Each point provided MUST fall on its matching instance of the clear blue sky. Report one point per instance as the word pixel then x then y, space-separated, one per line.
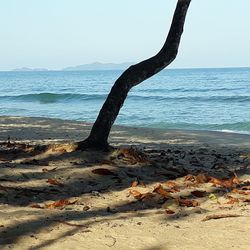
pixel 59 33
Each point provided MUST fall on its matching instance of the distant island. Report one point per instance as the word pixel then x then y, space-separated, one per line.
pixel 29 69
pixel 99 66
pixel 91 66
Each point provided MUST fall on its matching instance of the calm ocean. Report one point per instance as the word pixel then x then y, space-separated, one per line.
pixel 204 99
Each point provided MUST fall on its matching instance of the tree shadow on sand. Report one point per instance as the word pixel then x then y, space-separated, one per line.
pixel 98 187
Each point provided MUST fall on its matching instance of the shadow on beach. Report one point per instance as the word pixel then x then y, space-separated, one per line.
pixel 157 175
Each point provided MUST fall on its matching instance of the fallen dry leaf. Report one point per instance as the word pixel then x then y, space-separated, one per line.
pixel 173 186
pixel 55 182
pixel 103 171
pixel 220 216
pixel 135 193
pixel 201 178
pixel 133 155
pixel 216 181
pixel 139 196
pixel 199 193
pixel 246 200
pixel 174 190
pixel 189 177
pixel 232 200
pixel 161 191
pixel 134 184
pixel 169 211
pixel 187 203
pixel 170 184
pixel 236 179
pixel 238 191
pixel 61 203
pixel 227 183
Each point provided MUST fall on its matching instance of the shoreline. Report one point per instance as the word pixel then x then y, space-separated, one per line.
pixel 43 129
pixel 136 126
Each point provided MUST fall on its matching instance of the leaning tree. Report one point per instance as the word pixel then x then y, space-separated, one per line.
pixel 135 74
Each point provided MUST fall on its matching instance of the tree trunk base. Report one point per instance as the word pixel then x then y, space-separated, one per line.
pixel 91 144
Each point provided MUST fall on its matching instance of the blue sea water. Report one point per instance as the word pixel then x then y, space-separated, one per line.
pixel 204 99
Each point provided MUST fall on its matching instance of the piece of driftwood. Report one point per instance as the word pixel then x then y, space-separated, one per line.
pixel 220 216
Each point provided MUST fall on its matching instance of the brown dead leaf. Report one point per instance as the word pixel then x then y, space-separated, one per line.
pixel 135 193
pixel 216 181
pixel 246 188
pixel 134 183
pixel 170 184
pixel 199 193
pixel 187 203
pixel 238 191
pixel 174 190
pixel 173 186
pixel 232 200
pixel 189 177
pixel 131 155
pixel 139 196
pixel 161 191
pixel 236 179
pixel 169 211
pixel 61 203
pixel 103 171
pixel 55 182
pixel 227 183
pixel 246 200
pixel 201 178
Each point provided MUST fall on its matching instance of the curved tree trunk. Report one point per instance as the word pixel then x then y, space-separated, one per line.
pixel 134 75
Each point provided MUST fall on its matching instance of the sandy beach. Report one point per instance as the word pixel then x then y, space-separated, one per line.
pixel 158 189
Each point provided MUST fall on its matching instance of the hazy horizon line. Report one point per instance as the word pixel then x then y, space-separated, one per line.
pixel 28 69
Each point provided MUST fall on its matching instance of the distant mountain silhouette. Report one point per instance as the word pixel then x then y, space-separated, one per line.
pixel 29 69
pixel 99 66
pixel 91 66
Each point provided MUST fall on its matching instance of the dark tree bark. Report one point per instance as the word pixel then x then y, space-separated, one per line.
pixel 134 75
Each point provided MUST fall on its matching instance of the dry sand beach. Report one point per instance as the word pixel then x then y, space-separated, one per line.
pixel 158 189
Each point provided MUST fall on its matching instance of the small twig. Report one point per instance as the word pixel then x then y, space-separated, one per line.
pixel 70 224
pixel 113 238
pixel 220 216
